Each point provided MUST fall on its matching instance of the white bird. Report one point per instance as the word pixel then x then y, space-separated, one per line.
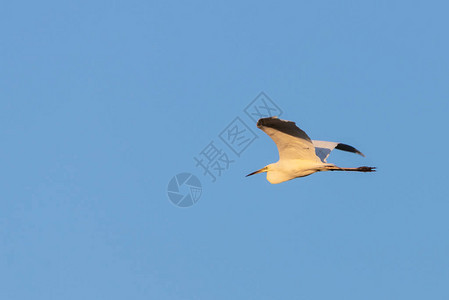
pixel 299 156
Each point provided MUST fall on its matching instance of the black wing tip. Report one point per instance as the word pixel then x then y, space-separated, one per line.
pixel 284 126
pixel 271 121
pixel 348 148
pixel 359 153
pixel 265 121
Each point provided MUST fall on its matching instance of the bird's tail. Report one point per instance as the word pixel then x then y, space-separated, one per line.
pixel 359 169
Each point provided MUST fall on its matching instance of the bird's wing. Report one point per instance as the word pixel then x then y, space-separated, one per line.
pixel 292 142
pixel 323 149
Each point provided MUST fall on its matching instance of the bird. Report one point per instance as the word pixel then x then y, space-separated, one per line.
pixel 299 156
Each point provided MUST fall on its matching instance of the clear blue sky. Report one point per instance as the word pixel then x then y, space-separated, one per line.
pixel 102 103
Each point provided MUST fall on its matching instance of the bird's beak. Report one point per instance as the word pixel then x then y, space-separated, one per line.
pixel 264 169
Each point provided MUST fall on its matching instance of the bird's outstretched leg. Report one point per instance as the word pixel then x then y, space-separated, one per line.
pixel 359 169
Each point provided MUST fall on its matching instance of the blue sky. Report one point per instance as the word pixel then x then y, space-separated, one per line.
pixel 102 103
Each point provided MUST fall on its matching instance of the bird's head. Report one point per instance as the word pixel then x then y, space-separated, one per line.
pixel 274 175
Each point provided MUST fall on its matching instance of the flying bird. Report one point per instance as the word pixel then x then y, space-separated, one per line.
pixel 299 156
